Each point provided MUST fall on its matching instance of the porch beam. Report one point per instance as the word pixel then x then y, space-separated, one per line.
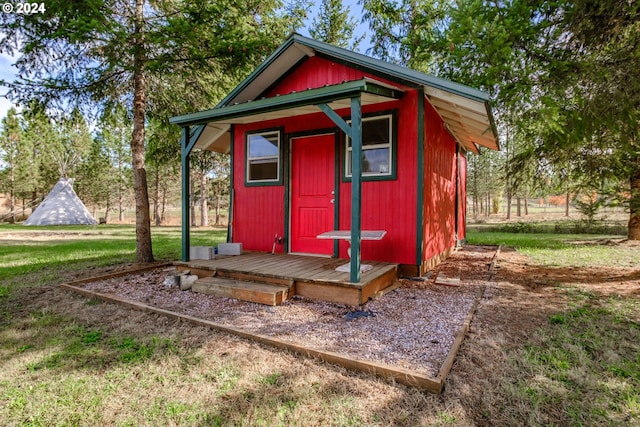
pixel 186 145
pixel 194 133
pixel 356 186
pixel 335 118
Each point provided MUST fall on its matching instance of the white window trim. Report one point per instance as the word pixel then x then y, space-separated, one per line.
pixel 389 145
pixel 261 159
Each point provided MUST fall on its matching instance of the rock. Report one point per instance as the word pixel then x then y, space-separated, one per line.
pixel 171 280
pixel 187 281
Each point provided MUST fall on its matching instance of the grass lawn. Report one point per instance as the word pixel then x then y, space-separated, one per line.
pixel 70 361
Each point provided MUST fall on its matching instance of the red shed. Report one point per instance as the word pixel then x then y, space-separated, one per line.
pixel 323 139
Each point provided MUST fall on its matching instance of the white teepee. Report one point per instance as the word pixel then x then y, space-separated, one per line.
pixel 62 206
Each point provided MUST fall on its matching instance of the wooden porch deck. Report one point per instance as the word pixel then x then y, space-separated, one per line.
pixel 308 276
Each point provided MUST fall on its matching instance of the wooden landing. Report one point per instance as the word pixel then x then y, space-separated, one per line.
pixel 308 276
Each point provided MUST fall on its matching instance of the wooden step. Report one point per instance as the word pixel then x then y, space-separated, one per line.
pixel 261 293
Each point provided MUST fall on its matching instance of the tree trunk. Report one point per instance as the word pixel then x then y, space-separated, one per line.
pixel 192 203
pixel 518 206
pixel 144 249
pixel 509 204
pixel 487 211
pixel 106 212
pixel 164 205
pixel 526 205
pixel 634 211
pixel 217 209
pixel 566 205
pixel 204 209
pixel 156 201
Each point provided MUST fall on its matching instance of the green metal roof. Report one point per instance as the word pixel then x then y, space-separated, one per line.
pixel 365 62
pixel 465 110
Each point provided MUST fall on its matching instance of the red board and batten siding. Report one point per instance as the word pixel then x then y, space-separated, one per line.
pixel 258 212
pixel 439 186
pixel 390 205
pixel 317 72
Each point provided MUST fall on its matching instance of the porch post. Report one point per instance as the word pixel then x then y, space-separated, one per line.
pixel 186 241
pixel 356 187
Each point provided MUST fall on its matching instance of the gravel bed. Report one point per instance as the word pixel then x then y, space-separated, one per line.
pixel 412 327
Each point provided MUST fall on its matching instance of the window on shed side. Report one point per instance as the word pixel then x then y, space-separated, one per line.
pixel 263 157
pixel 377 147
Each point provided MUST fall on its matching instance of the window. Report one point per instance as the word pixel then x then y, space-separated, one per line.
pixel 263 157
pixel 377 147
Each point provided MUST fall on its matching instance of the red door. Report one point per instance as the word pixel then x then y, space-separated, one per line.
pixel 312 193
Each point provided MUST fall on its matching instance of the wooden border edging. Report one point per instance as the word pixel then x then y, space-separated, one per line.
pixel 404 376
pixel 118 274
pixel 447 365
pixel 453 352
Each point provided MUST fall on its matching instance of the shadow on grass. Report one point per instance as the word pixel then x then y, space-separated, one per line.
pixel 229 380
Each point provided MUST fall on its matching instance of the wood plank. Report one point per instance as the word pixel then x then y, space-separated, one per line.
pixel 378 284
pixel 447 365
pixel 200 272
pixel 261 293
pixel 253 277
pixel 328 292
pixel 443 279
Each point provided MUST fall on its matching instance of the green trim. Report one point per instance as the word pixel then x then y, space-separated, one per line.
pixel 231 184
pixel 379 66
pixel 195 133
pixel 262 67
pixel 264 183
pixel 363 62
pixel 335 118
pixel 309 97
pixel 420 192
pixel 356 187
pixel 394 149
pixel 186 241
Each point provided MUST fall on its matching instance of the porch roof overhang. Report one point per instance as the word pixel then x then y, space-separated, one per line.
pixel 215 136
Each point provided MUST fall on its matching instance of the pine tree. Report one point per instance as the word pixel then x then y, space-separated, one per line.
pixel 334 25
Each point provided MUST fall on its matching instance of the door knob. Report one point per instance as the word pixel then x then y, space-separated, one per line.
pixel 333 200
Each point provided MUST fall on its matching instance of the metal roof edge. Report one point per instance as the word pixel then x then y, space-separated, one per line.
pixel 393 69
pixel 247 81
pixel 373 64
pixel 308 97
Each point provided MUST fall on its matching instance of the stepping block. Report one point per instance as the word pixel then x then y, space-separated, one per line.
pixel 443 279
pixel 261 293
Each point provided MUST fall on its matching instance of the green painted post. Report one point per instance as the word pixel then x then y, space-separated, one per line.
pixel 356 187
pixel 186 243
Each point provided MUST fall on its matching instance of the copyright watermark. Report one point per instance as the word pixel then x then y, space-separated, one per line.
pixel 24 8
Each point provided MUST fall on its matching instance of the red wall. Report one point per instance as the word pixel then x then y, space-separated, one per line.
pixel 316 72
pixel 258 212
pixel 439 186
pixel 390 205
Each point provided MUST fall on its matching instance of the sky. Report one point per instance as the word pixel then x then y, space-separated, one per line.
pixel 8 72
